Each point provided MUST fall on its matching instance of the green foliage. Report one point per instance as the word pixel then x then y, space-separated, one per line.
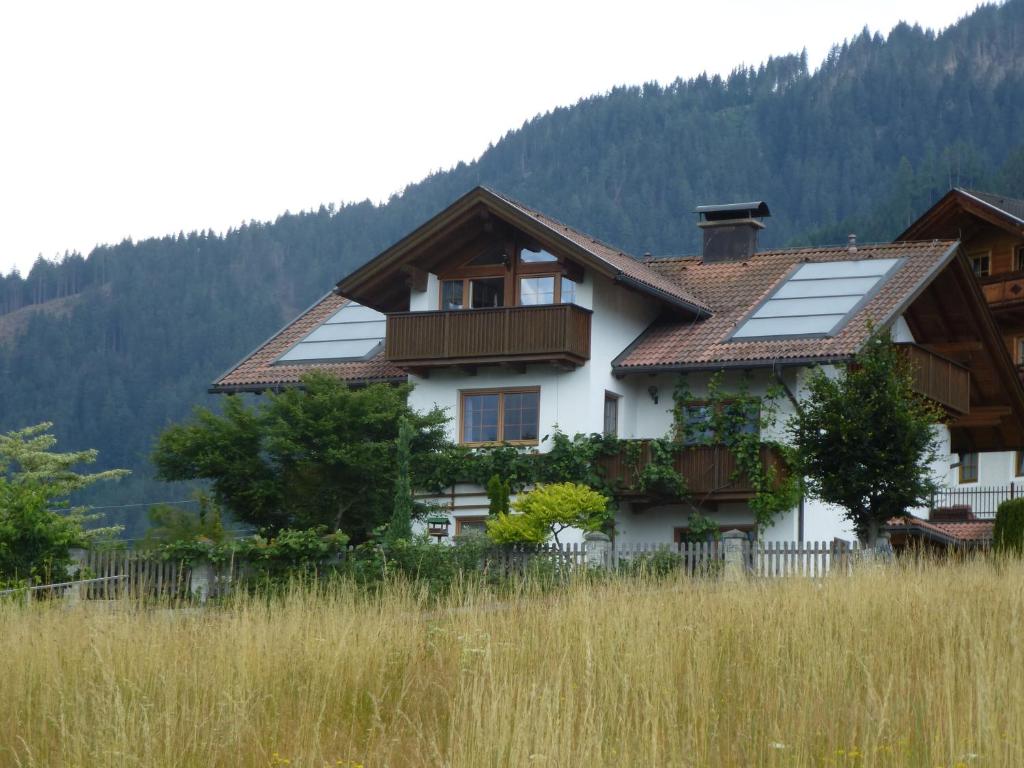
pixel 865 439
pixel 659 563
pixel 35 483
pixel 547 510
pixel 322 454
pixel 168 524
pixel 1008 534
pixel 400 527
pixel 498 492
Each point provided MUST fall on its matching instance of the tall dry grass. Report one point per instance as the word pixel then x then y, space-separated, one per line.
pixel 918 666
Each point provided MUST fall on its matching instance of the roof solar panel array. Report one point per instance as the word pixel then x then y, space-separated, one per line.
pixel 816 299
pixel 354 332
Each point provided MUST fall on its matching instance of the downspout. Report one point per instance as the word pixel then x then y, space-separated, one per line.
pixel 777 373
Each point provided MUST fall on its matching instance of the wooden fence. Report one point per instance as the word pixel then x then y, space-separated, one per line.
pixel 143 576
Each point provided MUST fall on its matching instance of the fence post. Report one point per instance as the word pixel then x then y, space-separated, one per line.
pixel 73 594
pixel 597 548
pixel 202 579
pixel 732 544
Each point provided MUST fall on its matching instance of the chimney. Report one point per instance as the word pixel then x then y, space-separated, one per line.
pixel 730 231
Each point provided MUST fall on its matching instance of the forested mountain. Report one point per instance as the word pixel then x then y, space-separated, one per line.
pixel 114 346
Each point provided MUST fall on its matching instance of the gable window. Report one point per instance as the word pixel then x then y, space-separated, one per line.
pixel 1019 464
pixel 981 264
pixel 500 416
pixel 1018 258
pixel 611 414
pixel 526 256
pixel 968 467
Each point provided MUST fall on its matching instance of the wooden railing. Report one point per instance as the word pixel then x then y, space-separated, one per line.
pixel 939 378
pixel 554 332
pixel 1004 288
pixel 708 470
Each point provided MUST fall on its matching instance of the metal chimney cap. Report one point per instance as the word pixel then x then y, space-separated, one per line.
pixel 757 209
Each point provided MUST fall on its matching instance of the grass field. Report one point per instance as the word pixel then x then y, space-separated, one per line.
pixel 916 666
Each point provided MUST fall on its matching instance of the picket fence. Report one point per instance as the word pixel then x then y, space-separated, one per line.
pixel 118 573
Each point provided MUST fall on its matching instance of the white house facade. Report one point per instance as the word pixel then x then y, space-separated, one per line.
pixel 518 325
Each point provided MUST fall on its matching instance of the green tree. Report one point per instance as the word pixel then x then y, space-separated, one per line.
pixel 548 510
pixel 400 527
pixel 170 524
pixel 498 492
pixel 37 524
pixel 320 454
pixel 865 439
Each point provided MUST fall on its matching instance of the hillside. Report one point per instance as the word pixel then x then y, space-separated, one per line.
pixel 883 127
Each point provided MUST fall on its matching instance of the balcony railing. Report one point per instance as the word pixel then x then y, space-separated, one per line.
pixel 557 333
pixel 1003 289
pixel 939 378
pixel 955 504
pixel 707 469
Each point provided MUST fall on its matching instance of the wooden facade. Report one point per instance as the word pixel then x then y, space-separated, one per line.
pixel 552 333
pixel 707 469
pixel 939 379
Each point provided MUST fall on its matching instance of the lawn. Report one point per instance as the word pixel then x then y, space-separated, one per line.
pixel 906 666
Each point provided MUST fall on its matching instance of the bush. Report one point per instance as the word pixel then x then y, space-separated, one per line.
pixel 1008 535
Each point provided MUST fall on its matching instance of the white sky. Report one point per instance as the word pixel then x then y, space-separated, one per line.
pixel 141 118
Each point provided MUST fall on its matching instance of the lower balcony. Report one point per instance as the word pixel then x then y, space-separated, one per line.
pixel 553 333
pixel 939 378
pixel 707 469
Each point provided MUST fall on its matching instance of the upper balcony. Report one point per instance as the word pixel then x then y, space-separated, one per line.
pixel 939 379
pixel 551 333
pixel 1003 289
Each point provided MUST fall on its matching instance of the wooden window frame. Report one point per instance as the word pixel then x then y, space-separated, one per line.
pixel 987 255
pixel 963 480
pixel 459 521
pixel 618 414
pixel 512 270
pixel 501 392
pixel 1017 467
pixel 698 403
pixel 1018 258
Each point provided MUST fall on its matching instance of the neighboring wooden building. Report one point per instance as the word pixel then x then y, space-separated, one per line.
pixel 990 228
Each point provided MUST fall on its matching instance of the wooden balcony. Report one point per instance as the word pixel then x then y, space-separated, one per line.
pixel 939 378
pixel 707 469
pixel 1002 289
pixel 553 333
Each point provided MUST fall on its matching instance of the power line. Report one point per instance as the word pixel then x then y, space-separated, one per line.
pixel 140 504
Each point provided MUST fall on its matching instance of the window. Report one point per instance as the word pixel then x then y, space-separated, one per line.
pixel 697 418
pixel 500 416
pixel 611 414
pixel 1018 258
pixel 487 292
pixel 526 256
pixel 537 290
pixel 1019 464
pixel 968 467
pixel 470 526
pixel 568 291
pixel 1018 351
pixel 452 294
pixel 980 263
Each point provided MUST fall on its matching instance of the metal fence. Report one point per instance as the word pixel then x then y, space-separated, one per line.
pixel 981 501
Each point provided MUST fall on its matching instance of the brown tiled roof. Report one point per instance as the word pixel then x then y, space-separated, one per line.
pixel 973 531
pixel 733 289
pixel 258 372
pixel 632 268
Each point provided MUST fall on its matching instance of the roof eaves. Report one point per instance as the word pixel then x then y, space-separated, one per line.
pixel 988 204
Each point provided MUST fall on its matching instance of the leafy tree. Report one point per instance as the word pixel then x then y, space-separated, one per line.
pixel 323 454
pixel 865 439
pixel 548 510
pixel 169 524
pixel 35 482
pixel 400 527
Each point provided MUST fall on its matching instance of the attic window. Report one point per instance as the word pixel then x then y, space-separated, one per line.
pixel 354 332
pixel 817 299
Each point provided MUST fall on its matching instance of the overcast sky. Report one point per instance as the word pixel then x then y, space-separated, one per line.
pixel 136 119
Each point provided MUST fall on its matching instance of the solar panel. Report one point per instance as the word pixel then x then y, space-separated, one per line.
pixel 816 299
pixel 354 332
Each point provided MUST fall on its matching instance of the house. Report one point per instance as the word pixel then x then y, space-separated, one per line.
pixel 520 325
pixel 990 228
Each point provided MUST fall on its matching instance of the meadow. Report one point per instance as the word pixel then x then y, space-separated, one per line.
pixel 913 665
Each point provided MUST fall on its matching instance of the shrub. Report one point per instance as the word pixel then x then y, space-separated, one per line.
pixel 1008 535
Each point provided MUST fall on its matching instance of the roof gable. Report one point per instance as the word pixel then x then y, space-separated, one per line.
pixel 961 209
pixel 381 283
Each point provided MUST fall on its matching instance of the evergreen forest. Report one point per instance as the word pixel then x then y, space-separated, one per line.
pixel 115 345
